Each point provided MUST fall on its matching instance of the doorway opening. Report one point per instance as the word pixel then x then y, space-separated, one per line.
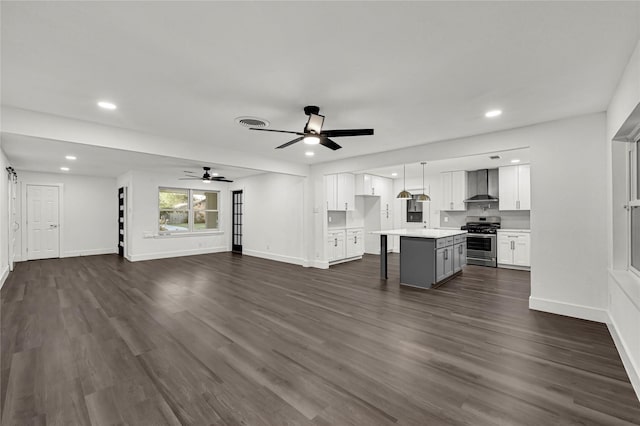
pixel 236 214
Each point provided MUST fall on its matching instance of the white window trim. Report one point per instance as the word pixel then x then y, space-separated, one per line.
pixel 191 231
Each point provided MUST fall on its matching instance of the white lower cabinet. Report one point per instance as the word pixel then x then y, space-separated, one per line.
pixel 459 256
pixel 345 244
pixel 514 249
pixel 336 245
pixel 355 242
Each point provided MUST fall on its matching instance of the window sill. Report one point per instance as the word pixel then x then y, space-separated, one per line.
pixel 629 283
pixel 184 234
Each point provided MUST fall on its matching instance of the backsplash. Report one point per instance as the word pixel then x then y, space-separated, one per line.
pixel 510 219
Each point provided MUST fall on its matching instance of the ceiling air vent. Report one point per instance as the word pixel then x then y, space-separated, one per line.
pixel 252 122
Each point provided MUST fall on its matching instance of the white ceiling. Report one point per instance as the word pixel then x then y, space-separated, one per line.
pixel 417 72
pixel 47 156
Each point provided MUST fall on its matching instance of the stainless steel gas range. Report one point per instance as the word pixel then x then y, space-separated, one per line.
pixel 481 240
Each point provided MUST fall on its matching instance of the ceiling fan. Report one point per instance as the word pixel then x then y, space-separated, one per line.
pixel 206 177
pixel 313 133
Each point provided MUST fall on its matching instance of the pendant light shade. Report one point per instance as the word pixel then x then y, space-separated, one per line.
pixel 423 198
pixel 404 194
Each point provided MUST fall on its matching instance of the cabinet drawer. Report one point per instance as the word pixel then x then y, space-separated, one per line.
pixel 459 239
pixel 443 242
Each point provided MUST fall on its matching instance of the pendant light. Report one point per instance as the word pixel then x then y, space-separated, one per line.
pixel 404 194
pixel 423 198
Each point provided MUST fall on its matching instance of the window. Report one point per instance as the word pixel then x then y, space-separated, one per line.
pixel 187 210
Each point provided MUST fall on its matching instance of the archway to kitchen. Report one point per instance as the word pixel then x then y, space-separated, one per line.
pixel 487 194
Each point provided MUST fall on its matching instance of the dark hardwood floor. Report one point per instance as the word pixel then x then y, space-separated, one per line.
pixel 225 339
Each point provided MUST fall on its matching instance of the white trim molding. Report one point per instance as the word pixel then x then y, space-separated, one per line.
pixel 3 277
pixel 277 257
pixel 627 361
pixel 179 253
pixel 568 309
pixel 90 252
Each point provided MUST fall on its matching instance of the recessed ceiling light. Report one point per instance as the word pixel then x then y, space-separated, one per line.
pixel 394 174
pixel 515 160
pixel 309 153
pixel 214 174
pixel 493 113
pixel 107 105
pixel 64 169
pixel 71 157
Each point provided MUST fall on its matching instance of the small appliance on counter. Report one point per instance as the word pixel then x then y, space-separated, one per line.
pixel 482 247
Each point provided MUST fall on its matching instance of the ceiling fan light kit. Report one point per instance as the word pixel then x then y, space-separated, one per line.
pixel 313 133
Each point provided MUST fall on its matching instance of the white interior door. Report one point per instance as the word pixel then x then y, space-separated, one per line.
pixel 43 231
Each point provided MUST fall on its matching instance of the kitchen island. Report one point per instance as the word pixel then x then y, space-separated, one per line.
pixel 428 257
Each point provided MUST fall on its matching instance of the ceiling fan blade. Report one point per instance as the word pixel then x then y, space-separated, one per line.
pixel 221 180
pixel 278 131
pixel 329 143
pixel 347 132
pixel 290 142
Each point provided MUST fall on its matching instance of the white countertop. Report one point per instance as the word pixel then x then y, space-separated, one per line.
pixel 422 233
pixel 513 230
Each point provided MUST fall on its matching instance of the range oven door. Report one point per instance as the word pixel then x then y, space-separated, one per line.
pixel 482 249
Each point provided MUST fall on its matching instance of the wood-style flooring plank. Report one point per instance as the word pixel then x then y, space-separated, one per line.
pixel 237 340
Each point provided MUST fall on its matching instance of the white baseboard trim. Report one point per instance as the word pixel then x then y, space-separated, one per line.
pixel 320 264
pixel 179 253
pixel 277 257
pixel 632 370
pixel 568 309
pixel 91 252
pixel 5 274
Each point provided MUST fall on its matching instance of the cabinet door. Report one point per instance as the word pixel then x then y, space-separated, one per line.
pixel 341 248
pixel 524 187
pixel 359 243
pixel 376 185
pixel 522 251
pixel 363 184
pixel 459 190
pixel 507 187
pixel 448 261
pixel 346 192
pixel 386 193
pixel 353 244
pixel 440 264
pixel 505 252
pixel 332 243
pixel 463 253
pixel 331 193
pixel 447 202
pixel 459 256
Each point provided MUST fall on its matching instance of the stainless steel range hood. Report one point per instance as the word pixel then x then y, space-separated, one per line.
pixel 482 186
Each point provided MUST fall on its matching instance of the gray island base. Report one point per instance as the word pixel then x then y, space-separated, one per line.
pixel 428 257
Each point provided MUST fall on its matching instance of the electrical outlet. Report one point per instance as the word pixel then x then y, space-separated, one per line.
pixel 446 219
pixel 329 219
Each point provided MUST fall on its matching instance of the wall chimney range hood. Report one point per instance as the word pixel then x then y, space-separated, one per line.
pixel 483 186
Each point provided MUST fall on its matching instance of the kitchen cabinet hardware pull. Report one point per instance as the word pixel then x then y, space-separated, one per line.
pixel 346 206
pixel 355 239
pixel 335 242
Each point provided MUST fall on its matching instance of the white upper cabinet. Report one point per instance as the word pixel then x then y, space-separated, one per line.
pixel 369 185
pixel 340 191
pixel 454 190
pixel 515 187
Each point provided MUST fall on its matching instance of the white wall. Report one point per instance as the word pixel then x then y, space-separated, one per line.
pixel 273 217
pixel 568 191
pixel 142 227
pixel 623 286
pixel 89 206
pixel 4 219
